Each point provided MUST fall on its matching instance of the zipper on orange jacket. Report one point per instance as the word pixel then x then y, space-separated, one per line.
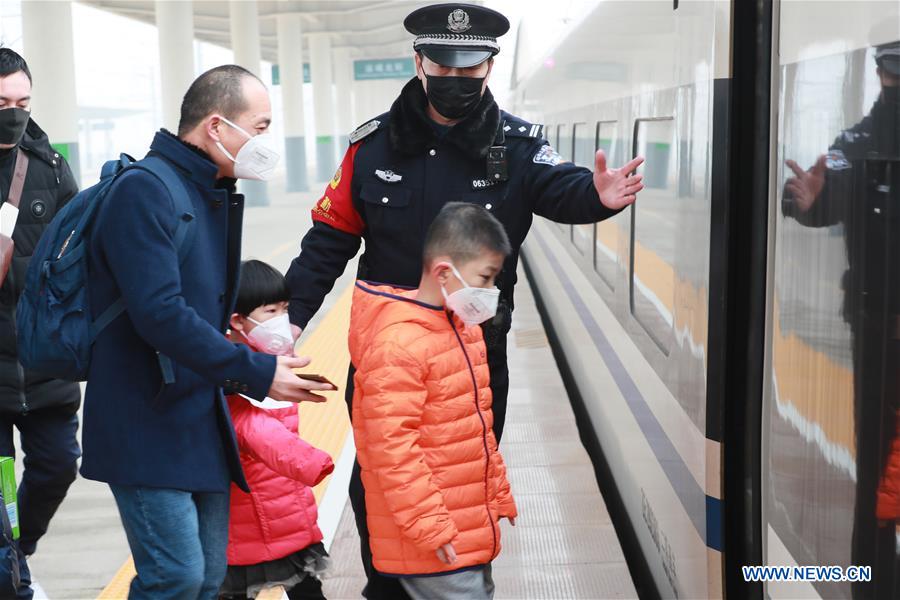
pixel 487 454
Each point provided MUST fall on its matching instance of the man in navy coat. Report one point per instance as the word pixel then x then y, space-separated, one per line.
pixel 168 451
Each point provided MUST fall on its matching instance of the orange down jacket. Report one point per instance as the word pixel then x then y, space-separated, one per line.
pixel 888 505
pixel 422 425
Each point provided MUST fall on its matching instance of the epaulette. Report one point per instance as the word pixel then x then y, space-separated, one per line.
pixel 520 128
pixel 364 130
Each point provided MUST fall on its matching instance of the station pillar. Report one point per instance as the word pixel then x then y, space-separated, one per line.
pixel 290 72
pixel 54 102
pixel 175 25
pixel 343 83
pixel 244 19
pixel 323 105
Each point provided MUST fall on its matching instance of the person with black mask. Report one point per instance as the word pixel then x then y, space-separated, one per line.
pixel 856 184
pixel 45 411
pixel 444 140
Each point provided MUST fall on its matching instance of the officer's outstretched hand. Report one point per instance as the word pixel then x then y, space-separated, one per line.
pixel 287 386
pixel 617 187
pixel 805 186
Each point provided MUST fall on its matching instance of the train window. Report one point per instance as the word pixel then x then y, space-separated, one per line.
pixel 564 147
pixel 655 219
pixel 832 383
pixel 583 235
pixel 606 236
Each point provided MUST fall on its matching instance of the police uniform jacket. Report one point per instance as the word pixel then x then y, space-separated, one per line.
pixel 401 169
pixel 49 185
pixel 861 191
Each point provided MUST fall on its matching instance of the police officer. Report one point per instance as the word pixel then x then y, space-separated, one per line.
pixel 857 184
pixel 444 140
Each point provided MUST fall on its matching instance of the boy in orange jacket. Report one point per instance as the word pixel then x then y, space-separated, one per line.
pixel 435 482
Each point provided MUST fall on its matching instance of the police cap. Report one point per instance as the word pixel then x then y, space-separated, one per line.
pixel 887 56
pixel 456 34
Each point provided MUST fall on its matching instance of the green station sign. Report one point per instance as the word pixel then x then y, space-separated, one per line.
pixel 276 74
pixel 384 68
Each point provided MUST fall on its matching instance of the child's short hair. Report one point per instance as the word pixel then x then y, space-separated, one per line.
pixel 260 284
pixel 463 232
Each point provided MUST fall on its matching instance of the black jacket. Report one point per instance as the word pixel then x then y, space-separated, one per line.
pixel 49 184
pixel 399 172
pixel 862 191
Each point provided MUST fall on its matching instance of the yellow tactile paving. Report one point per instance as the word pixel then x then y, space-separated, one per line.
pixel 324 425
pixel 118 587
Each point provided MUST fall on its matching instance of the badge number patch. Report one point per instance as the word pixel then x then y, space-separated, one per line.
pixel 480 184
pixel 547 156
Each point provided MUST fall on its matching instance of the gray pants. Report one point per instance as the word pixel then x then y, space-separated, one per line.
pixel 474 584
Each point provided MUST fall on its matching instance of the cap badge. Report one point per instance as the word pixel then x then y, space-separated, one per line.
pixel 458 21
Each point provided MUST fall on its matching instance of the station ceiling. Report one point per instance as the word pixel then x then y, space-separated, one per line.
pixel 373 29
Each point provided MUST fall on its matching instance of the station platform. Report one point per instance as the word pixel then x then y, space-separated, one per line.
pixel 563 545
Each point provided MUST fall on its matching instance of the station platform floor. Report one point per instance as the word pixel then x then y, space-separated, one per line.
pixel 563 546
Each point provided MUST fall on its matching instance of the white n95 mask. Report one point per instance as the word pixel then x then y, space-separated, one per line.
pixel 256 159
pixel 472 305
pixel 273 336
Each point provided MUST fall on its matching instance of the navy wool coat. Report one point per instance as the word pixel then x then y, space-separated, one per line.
pixel 137 430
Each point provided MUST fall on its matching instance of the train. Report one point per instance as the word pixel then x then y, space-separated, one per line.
pixel 734 362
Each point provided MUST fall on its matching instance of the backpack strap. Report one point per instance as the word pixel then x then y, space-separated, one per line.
pixel 112 168
pixel 165 172
pixel 181 197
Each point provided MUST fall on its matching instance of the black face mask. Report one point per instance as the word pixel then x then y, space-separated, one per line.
pixel 454 97
pixel 12 124
pixel 891 95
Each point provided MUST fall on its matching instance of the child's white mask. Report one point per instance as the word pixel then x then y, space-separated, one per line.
pixel 273 336
pixel 472 305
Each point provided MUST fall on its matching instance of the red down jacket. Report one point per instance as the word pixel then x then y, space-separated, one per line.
pixel 278 516
pixel 422 425
pixel 888 505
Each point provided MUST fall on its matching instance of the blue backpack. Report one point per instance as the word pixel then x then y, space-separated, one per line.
pixel 53 318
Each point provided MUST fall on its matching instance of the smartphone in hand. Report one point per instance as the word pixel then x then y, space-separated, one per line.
pixel 315 377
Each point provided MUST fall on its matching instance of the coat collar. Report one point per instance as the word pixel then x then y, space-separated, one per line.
pixel 193 164
pixel 411 131
pixel 37 143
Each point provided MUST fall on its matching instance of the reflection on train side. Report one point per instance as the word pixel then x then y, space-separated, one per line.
pixel 667 301
pixel 655 216
pixel 835 374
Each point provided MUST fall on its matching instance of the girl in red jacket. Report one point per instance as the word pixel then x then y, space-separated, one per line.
pixel 273 538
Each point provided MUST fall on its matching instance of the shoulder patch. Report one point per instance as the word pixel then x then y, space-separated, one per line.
pixel 364 130
pixel 546 155
pixel 836 161
pixel 523 129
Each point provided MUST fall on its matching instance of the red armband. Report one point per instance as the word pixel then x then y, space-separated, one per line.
pixel 335 207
